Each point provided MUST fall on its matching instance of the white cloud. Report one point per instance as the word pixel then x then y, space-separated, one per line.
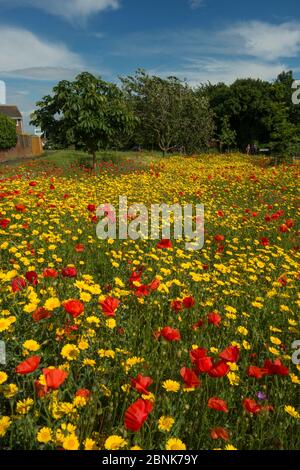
pixel 69 9
pixel 26 55
pixel 194 4
pixel 264 40
pixel 197 71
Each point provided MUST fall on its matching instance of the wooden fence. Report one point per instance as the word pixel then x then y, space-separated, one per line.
pixel 27 146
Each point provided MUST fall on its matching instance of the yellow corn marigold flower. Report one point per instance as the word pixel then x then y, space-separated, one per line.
pixel 5 422
pixel 10 390
pixel 242 330
pixel 83 345
pixel 71 442
pixel 52 304
pixel 136 448
pixel 292 411
pixel 111 323
pixel 90 444
pixel 70 352
pixel 230 447
pixel 3 377
pixel 106 353
pixel 284 308
pixel 44 435
pixel 295 379
pixel 115 443
pixel 92 319
pixel 175 444
pixel 165 423
pixel 24 406
pixel 31 345
pixel 171 385
pixel 275 340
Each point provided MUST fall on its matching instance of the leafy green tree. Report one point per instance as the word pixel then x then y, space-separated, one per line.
pixel 170 113
pixel 8 133
pixel 88 113
pixel 227 136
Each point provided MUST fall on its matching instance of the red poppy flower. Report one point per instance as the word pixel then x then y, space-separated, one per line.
pixel 109 306
pixel 196 354
pixel 204 364
pixel 40 389
pixel 264 241
pixel 32 277
pixel 69 272
pixel 290 223
pixel 251 406
pixel 54 377
pixel 220 214
pixel 190 378
pixel 29 365
pixel 141 384
pixel 197 325
pixel 164 245
pixel 32 183
pixel 83 392
pixel 170 334
pixel 218 404
pixel 214 318
pixel 283 280
pixel 135 277
pixel 91 208
pixel 219 370
pixel 74 307
pixel 189 302
pixel 256 372
pixel 284 228
pixel 219 433
pixel 230 354
pixel 219 238
pixel 49 272
pixel 268 218
pixel 137 413
pixel 275 368
pixel 176 305
pixel 154 285
pixel 79 248
pixel 20 207
pixel 41 314
pixel 4 223
pixel 142 291
pixel 17 284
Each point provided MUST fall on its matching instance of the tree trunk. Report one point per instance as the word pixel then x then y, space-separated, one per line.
pixel 94 160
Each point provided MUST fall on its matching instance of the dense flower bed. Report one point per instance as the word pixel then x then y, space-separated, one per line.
pixel 139 344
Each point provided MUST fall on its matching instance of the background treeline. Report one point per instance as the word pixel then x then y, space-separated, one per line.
pixel 149 112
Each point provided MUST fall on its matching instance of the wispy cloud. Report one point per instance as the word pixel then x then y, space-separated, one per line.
pixel 245 49
pixel 24 54
pixel 68 9
pixel 194 4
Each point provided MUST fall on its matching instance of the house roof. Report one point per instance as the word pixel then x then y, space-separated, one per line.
pixel 10 111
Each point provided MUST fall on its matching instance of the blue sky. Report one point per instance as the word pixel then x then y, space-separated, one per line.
pixel 43 41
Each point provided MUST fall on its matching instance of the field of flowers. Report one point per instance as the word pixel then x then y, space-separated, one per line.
pixel 142 344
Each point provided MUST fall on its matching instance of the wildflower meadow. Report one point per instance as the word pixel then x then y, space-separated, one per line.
pixel 142 344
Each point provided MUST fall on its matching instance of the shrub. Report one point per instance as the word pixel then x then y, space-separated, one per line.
pixel 8 133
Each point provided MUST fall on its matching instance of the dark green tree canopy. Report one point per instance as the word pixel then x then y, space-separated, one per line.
pixel 88 113
pixel 8 133
pixel 171 115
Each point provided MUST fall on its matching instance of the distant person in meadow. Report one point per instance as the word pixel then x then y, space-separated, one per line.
pixel 248 149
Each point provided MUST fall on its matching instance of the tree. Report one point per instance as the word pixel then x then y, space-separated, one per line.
pixel 88 113
pixel 8 133
pixel 227 135
pixel 170 113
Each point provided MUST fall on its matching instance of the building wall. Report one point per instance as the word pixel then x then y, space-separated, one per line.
pixel 27 146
